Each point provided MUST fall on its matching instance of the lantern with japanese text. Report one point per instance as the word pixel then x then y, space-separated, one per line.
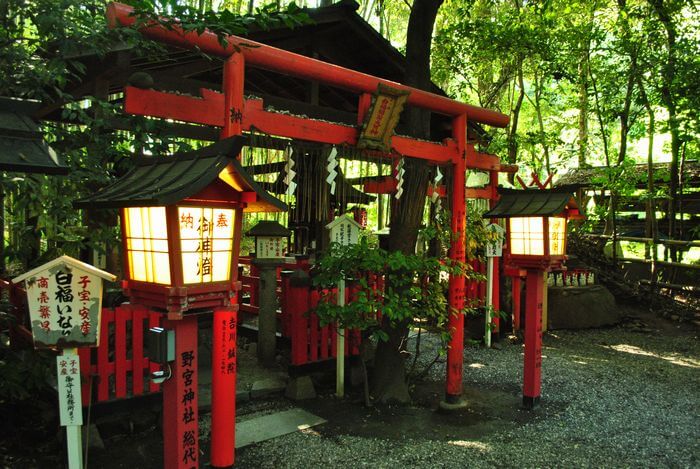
pixel 181 225
pixel 536 242
pixel 270 239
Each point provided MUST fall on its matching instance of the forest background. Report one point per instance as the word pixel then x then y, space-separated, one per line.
pixel 586 83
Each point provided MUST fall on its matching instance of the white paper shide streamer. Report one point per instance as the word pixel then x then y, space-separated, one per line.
pixel 400 171
pixel 332 165
pixel 289 171
pixel 435 196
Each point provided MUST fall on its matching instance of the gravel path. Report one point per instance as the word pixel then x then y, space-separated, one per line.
pixel 610 398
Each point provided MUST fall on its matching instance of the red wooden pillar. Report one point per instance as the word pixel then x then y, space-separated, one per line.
pixel 455 358
pixel 223 379
pixel 516 302
pixel 223 387
pixel 532 374
pixel 180 399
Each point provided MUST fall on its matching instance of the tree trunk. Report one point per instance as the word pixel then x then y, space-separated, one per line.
pixel 667 96
pixel 583 110
pixel 406 215
pixel 512 132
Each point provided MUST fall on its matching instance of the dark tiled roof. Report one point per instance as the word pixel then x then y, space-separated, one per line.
pixel 268 228
pixel 22 146
pixel 520 203
pixel 170 179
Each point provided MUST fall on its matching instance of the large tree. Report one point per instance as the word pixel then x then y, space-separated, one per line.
pixel 407 212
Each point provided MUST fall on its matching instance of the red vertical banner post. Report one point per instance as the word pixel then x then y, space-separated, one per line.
pixel 180 399
pixel 223 386
pixel 455 325
pixel 532 375
pixel 224 327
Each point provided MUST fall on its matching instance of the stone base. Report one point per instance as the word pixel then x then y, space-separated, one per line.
pixel 300 388
pixel 452 403
pixel 531 403
pixel 581 307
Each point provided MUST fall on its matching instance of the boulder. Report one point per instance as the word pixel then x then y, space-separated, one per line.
pixel 581 307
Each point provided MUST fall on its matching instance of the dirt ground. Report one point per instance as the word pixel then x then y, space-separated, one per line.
pixel 133 440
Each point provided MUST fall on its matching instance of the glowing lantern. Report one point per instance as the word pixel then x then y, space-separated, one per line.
pixel 270 239
pixel 181 226
pixel 536 239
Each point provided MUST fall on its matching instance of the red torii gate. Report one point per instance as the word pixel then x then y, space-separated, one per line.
pixel 235 114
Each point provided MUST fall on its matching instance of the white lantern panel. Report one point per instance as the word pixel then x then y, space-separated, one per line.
pixel 527 236
pixel 147 244
pixel 557 236
pixel 270 247
pixel 206 235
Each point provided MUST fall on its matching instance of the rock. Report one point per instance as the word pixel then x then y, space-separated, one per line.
pixel 267 386
pixel 92 437
pixel 300 388
pixel 581 307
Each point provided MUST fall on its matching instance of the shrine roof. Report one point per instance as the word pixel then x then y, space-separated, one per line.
pixel 167 180
pixel 22 145
pixel 269 228
pixel 525 203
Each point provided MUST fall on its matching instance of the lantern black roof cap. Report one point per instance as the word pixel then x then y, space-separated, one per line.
pixel 527 203
pixel 268 228
pixel 158 181
pixel 22 145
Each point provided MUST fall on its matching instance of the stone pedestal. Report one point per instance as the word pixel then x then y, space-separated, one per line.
pixel 267 313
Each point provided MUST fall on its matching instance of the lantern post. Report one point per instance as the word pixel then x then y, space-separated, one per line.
pixel 180 237
pixel 270 245
pixel 536 240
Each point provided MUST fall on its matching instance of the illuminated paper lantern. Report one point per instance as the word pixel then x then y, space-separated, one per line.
pixel 181 219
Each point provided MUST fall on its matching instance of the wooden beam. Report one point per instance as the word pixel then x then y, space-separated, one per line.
pixel 208 110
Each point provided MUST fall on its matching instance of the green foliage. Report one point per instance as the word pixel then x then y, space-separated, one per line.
pixel 414 290
pixel 223 23
pixel 23 373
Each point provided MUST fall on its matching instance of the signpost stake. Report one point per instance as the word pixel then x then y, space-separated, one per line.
pixel 70 405
pixel 340 342
pixel 489 301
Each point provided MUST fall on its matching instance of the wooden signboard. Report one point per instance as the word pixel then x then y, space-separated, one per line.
pixel 65 301
pixel 494 248
pixel 344 230
pixel 381 120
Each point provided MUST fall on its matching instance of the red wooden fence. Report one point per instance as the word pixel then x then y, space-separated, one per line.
pixel 118 366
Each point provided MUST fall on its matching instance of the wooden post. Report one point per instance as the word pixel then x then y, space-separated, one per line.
pixel 223 386
pixel 340 351
pixel 455 325
pixel 224 327
pixel 180 398
pixel 489 301
pixel 532 374
pixel 515 301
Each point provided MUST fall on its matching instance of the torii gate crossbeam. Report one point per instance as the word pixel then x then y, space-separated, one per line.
pixel 235 114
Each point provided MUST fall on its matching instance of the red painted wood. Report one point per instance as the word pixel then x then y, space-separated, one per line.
pixel 139 313
pixel 324 341
pixel 207 110
pixel 455 325
pixel 334 340
pixel 223 387
pixel 516 303
pixel 532 374
pixel 180 399
pixel 313 326
pixel 496 299
pixel 85 374
pixel 288 63
pixel 120 366
pixel 298 307
pixel 103 364
pixel 154 320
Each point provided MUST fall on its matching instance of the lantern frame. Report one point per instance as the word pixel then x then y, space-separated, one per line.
pixel 211 177
pixel 536 204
